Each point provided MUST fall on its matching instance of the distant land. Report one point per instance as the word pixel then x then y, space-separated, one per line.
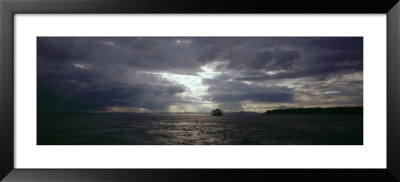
pixel 317 110
pixel 242 112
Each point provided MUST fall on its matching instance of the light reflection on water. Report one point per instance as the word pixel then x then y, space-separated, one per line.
pixel 198 129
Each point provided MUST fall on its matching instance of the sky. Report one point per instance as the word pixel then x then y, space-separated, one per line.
pixel 197 74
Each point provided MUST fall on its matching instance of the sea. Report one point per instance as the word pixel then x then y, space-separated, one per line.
pixel 197 129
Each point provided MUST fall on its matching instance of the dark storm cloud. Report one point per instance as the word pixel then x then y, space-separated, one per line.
pixel 88 75
pixel 145 53
pixel 319 65
pixel 223 90
pixel 77 89
pixel 93 73
pixel 270 60
pixel 292 57
pixel 304 60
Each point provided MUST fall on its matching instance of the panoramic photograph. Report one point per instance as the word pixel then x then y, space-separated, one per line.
pixel 199 90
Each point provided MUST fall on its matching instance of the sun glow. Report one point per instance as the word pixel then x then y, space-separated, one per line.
pixel 195 89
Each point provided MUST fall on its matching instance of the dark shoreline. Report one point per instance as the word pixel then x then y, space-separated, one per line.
pixel 330 110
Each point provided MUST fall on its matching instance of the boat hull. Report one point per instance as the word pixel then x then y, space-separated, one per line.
pixel 216 113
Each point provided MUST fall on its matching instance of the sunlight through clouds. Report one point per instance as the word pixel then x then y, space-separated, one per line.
pixel 195 90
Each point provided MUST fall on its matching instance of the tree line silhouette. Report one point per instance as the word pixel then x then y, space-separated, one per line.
pixel 318 110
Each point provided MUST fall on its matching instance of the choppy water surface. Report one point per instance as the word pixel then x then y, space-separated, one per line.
pixel 198 129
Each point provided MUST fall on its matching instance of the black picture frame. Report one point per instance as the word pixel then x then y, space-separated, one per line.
pixel 9 8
